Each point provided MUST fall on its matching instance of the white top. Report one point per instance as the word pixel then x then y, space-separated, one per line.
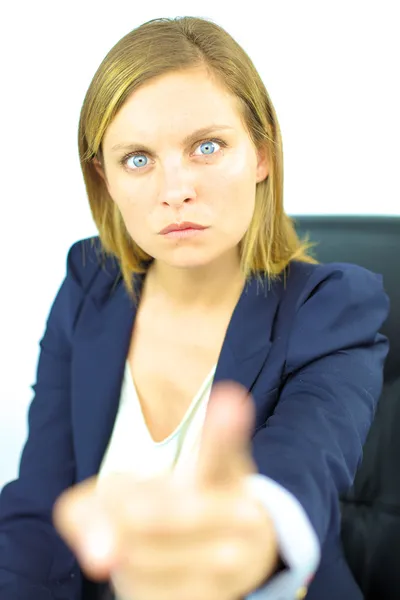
pixel 131 449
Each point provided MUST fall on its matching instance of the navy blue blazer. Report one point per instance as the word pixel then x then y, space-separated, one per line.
pixel 307 347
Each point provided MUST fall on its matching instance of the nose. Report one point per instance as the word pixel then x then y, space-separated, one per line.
pixel 176 187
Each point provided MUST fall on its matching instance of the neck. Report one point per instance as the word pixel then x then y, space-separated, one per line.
pixel 204 287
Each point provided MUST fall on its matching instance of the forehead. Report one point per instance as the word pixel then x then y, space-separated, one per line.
pixel 174 105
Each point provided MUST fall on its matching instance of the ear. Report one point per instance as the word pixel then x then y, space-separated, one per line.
pixel 262 164
pixel 99 168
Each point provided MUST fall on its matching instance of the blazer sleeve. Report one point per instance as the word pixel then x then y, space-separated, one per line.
pixel 34 561
pixel 312 443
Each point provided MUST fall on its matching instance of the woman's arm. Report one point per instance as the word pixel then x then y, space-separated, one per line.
pixel 34 561
pixel 310 448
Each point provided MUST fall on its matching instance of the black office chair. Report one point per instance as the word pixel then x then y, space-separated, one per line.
pixel 371 510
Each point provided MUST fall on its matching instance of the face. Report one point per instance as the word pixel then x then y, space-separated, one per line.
pixel 161 169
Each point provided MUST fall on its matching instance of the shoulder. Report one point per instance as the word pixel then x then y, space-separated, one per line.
pixel 86 259
pixel 335 306
pixel 324 304
pixel 347 281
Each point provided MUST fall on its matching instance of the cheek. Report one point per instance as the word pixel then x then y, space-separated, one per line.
pixel 233 192
pixel 123 191
pixel 127 196
pixel 237 177
pixel 132 208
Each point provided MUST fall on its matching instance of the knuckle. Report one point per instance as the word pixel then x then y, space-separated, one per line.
pixel 199 592
pixel 227 561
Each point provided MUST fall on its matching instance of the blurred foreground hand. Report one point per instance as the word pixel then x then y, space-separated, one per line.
pixel 201 539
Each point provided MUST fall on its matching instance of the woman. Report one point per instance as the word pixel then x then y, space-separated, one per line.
pixel 130 472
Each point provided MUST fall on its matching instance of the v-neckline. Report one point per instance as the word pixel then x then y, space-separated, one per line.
pixel 197 397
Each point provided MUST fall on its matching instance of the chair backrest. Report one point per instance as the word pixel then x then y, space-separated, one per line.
pixel 371 509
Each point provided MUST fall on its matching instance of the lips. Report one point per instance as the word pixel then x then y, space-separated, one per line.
pixel 181 226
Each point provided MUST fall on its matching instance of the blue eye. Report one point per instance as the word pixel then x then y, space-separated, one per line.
pixel 140 159
pixel 208 145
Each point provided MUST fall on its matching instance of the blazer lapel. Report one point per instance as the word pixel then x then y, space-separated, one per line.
pixel 101 343
pixel 247 341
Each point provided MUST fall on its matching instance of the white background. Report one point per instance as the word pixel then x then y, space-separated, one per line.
pixel 331 68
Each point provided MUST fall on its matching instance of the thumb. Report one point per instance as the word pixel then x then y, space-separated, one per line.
pixel 79 516
pixel 225 447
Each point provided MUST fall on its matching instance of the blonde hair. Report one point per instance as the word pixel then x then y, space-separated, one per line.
pixel 153 49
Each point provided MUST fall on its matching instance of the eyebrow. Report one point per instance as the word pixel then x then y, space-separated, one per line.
pixel 192 137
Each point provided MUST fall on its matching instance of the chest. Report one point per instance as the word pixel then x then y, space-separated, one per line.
pixel 169 359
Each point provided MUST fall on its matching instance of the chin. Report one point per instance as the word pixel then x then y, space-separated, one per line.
pixel 188 260
pixel 188 264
